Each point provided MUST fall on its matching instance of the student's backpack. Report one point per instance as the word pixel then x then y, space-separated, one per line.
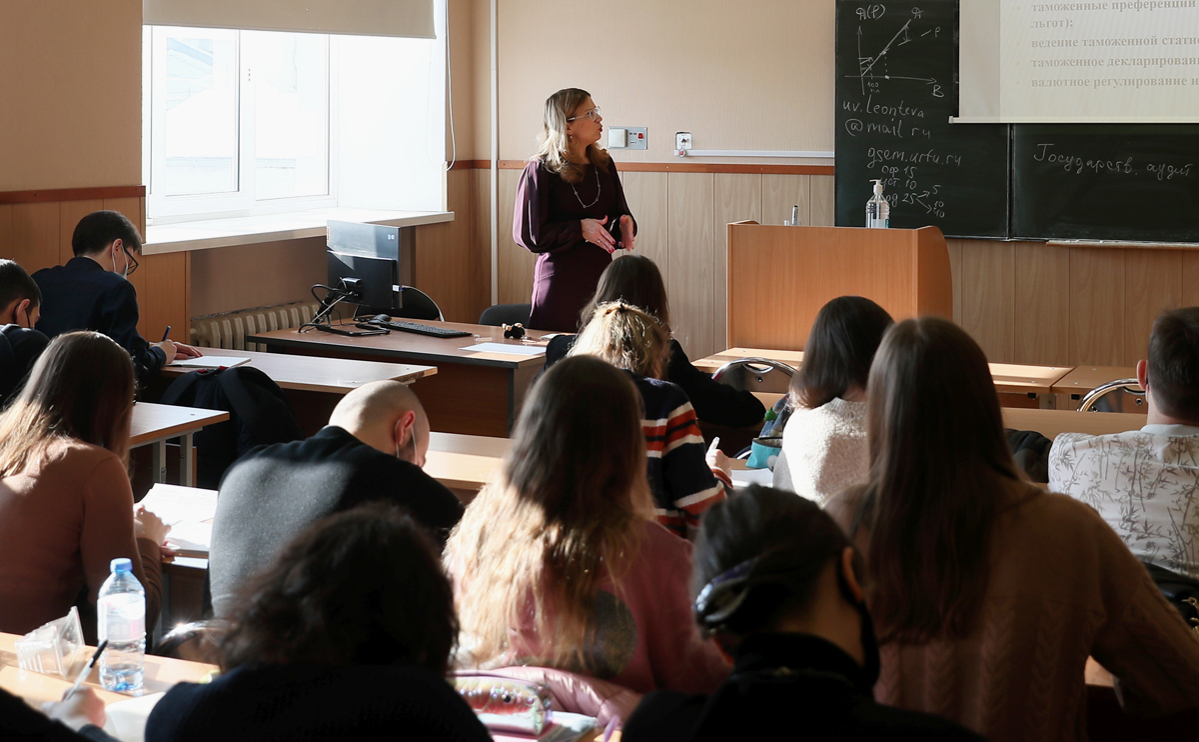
pixel 259 414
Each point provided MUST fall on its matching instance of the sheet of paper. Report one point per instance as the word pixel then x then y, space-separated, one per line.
pixel 746 477
pixel 211 362
pixel 176 504
pixel 512 350
pixel 192 539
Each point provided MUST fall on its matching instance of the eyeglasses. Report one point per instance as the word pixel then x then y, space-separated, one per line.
pixel 132 260
pixel 593 114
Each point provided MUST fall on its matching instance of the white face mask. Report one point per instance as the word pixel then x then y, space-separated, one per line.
pixel 124 275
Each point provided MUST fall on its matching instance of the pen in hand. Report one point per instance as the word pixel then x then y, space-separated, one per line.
pixel 166 334
pixel 87 669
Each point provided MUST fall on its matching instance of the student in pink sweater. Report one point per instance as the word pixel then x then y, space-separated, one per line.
pixel 559 562
pixel 989 593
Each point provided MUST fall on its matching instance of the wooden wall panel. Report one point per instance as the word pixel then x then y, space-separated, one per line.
pixel 1190 276
pixel 1041 332
pixel 954 247
pixel 780 193
pixel 69 214
pixel 481 228
pixel 444 266
pixel 516 263
pixel 1096 306
pixel 738 197
pixel 6 245
pixel 988 291
pixel 822 213
pixel 690 279
pixel 646 196
pixel 1152 284
pixel 35 235
pixel 164 296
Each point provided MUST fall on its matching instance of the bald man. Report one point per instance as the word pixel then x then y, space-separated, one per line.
pixel 372 449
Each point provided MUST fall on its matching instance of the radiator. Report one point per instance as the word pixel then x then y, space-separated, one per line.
pixel 229 330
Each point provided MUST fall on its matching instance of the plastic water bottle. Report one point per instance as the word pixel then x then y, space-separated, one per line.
pixel 121 614
pixel 878 211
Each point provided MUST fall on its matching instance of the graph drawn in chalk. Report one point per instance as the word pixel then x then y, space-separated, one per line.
pixel 870 76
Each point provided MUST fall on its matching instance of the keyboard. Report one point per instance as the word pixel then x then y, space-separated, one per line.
pixel 419 329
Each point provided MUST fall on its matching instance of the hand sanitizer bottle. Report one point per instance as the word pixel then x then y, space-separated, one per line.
pixel 878 211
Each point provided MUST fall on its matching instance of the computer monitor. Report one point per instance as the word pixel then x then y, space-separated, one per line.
pixel 381 257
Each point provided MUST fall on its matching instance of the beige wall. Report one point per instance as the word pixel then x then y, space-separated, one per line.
pixel 70 82
pixel 753 76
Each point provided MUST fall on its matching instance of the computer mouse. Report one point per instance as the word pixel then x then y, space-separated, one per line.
pixel 381 318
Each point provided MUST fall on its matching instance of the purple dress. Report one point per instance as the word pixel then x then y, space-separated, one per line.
pixel 547 222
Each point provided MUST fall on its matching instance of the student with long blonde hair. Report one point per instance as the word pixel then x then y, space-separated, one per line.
pixel 570 210
pixel 558 562
pixel 66 505
pixel 684 485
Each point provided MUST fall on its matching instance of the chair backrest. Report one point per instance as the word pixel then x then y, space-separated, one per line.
pixel 756 375
pixel 417 305
pixel 1112 396
pixel 506 314
pixel 197 641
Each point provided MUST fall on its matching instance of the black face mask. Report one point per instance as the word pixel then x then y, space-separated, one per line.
pixel 872 664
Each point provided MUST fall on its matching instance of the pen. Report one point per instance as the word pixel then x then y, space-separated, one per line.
pixel 166 334
pixel 86 670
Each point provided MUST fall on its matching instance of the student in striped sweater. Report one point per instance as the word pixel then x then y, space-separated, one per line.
pixel 684 485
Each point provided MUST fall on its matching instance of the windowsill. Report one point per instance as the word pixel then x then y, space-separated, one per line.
pixel 250 230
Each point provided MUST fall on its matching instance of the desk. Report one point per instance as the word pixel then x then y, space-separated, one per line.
pixel 472 393
pixel 161 674
pixel 313 374
pixel 464 463
pixel 1051 423
pixel 1083 379
pixel 154 424
pixel 1009 378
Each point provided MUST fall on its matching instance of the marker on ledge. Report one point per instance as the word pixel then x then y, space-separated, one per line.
pixel 165 334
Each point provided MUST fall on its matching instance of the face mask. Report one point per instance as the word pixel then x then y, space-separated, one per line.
pixel 872 664
pixel 409 452
pixel 124 275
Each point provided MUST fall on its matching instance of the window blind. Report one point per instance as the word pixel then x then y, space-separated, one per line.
pixel 412 18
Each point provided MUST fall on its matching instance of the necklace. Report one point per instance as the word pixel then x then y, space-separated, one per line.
pixel 598 190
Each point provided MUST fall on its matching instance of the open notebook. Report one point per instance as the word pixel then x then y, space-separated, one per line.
pixel 189 512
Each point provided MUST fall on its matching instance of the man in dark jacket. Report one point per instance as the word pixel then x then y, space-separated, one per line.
pixel 91 292
pixel 372 449
pixel 20 345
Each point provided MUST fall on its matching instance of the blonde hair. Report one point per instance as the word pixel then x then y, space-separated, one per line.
pixel 626 337
pixel 553 146
pixel 80 388
pixel 567 508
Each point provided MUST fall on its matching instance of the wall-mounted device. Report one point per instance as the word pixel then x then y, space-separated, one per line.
pixel 628 137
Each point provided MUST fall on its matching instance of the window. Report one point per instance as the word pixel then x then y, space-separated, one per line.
pixel 242 123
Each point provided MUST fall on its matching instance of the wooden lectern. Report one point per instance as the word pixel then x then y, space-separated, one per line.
pixel 780 277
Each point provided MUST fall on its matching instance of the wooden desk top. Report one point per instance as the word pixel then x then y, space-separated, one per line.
pixel 464 462
pixel 1008 377
pixel 411 346
pixel 161 674
pixel 316 374
pixel 1083 379
pixel 152 422
pixel 1050 423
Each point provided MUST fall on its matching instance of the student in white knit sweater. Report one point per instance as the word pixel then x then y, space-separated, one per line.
pixel 824 442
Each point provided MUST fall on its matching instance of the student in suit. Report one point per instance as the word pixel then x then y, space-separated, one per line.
pixel 91 292
pixel 559 562
pixel 372 449
pixel 20 344
pixel 346 635
pixel 779 586
pixel 989 593
pixel 636 280
pixel 66 506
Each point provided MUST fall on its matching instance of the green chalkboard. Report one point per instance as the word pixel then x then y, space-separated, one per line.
pixel 896 88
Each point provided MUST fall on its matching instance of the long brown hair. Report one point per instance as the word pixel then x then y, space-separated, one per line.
pixel 632 279
pixel 554 145
pixel 626 337
pixel 82 388
pixel 839 351
pixel 940 472
pixel 567 507
pixel 363 587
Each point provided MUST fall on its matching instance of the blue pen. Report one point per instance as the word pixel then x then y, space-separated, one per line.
pixel 166 334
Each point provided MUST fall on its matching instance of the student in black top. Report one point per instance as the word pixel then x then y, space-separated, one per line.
pixel 372 449
pixel 780 590
pixel 20 345
pixel 91 292
pixel 346 636
pixel 636 280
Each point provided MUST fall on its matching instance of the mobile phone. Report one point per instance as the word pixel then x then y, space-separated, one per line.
pixel 613 228
pixel 351 333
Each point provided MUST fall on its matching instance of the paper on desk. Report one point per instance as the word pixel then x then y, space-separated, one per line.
pixel 127 719
pixel 191 539
pixel 176 504
pixel 509 349
pixel 210 362
pixel 746 477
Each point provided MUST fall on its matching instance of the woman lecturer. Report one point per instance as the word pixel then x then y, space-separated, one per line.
pixel 570 211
